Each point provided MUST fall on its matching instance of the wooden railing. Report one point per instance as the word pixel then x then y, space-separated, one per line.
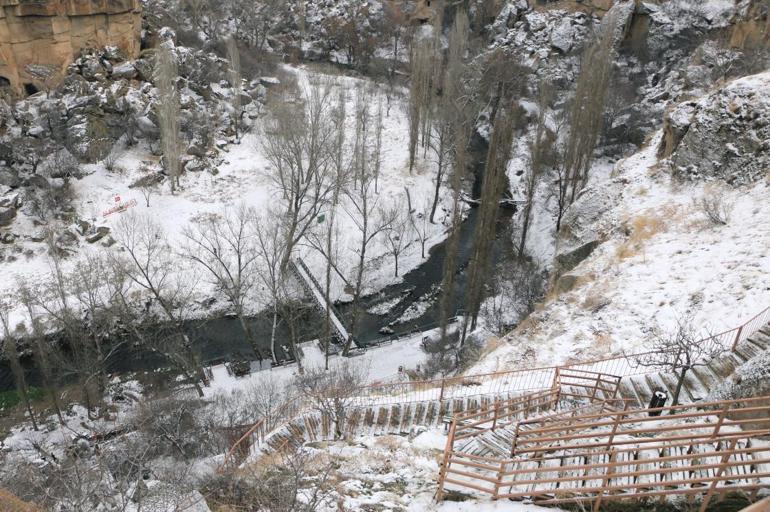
pixel 622 453
pixel 512 383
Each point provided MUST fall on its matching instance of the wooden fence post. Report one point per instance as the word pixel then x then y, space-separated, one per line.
pixel 448 449
pixel 722 466
pixel 737 338
pixel 441 393
pixel 720 420
pixel 499 481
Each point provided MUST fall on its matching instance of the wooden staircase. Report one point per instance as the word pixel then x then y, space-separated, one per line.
pixel 375 420
pixel 608 452
pixel 700 380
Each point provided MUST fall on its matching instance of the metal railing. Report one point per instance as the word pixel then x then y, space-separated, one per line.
pixel 498 384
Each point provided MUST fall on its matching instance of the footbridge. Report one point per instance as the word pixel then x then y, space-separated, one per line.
pixel 316 292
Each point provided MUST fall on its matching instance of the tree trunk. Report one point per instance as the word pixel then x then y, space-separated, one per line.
pixel 678 390
pixel 272 332
pixel 249 336
pixel 439 176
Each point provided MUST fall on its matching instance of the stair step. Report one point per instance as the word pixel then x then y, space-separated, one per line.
pixel 642 389
pixel 709 379
pixel 761 338
pixel 627 391
pixel 754 346
pixel 654 382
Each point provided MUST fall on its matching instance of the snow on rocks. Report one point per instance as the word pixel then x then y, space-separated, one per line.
pixel 396 473
pixel 659 258
pixel 725 135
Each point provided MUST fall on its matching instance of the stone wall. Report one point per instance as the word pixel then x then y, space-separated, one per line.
pixel 40 38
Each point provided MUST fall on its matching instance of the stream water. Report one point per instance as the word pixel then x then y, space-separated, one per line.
pixel 222 338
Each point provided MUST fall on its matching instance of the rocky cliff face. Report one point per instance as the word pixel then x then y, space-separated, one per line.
pixel 724 135
pixel 38 40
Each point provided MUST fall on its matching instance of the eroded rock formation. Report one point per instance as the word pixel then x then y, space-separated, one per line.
pixel 39 39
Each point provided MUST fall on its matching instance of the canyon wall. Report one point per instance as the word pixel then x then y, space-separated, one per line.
pixel 40 38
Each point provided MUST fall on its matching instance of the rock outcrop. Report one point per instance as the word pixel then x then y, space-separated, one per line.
pixel 38 40
pixel 725 135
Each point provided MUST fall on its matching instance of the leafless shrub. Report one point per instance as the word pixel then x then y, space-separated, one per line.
pixel 61 164
pixel 300 481
pixel 678 351
pixel 447 355
pixel 177 427
pixel 716 206
pixel 331 392
pixel 111 160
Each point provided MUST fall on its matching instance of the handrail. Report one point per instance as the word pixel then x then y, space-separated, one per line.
pixel 760 506
pixel 534 379
pixel 618 453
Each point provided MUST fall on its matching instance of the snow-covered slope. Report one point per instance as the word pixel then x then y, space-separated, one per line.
pixel 240 178
pixel 657 256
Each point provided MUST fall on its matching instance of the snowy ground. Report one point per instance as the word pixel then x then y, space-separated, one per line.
pixel 381 365
pixel 397 473
pixel 241 179
pixel 679 263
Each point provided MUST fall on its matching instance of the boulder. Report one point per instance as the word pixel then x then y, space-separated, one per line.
pixel 676 122
pixel 37 181
pixel 101 232
pixel 7 215
pixel 147 127
pixel 9 177
pixel 562 36
pixel 124 70
pixel 585 224
pixel 196 149
pixel 83 227
pixel 269 81
pixel 724 135
pixel 66 237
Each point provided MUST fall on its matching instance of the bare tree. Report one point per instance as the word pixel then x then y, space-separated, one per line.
pixel 679 351
pixel 226 248
pixel 293 481
pixel 332 392
pixel 11 353
pixel 271 246
pixel 363 207
pixel 538 151
pixel 459 111
pixel 168 112
pixel 297 141
pixel 256 20
pixel 42 350
pixel 377 151
pixel 147 189
pixel 421 224
pixel 421 93
pixel 399 232
pixel 441 144
pixel 328 247
pixel 236 82
pixel 586 114
pixel 498 156
pixel 393 29
pixel 147 264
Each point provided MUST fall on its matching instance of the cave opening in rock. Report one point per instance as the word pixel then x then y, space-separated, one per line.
pixel 30 89
pixel 4 82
